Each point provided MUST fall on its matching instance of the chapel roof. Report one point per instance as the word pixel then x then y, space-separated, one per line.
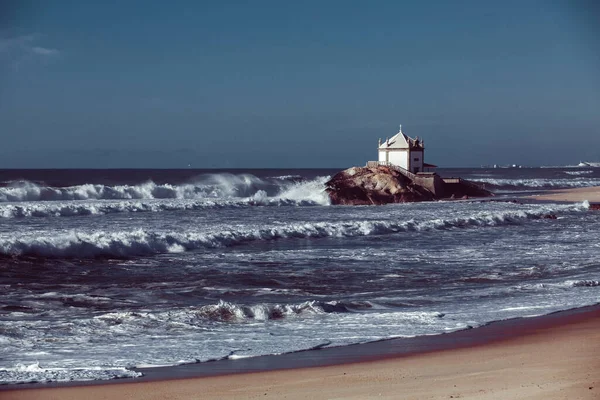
pixel 402 141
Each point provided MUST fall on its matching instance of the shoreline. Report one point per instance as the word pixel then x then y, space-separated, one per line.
pixel 360 358
pixel 591 194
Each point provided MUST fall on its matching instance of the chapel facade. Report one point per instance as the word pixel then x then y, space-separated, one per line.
pixel 403 151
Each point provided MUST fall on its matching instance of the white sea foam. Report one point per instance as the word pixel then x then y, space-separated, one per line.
pixel 585 172
pixel 539 183
pixel 209 186
pixel 307 192
pixel 304 193
pixel 225 311
pixel 34 373
pixel 583 283
pixel 147 242
pixel 199 334
pixel 288 177
pixel 70 208
pixel 567 284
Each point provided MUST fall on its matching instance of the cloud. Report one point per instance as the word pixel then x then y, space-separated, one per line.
pixel 43 51
pixel 19 50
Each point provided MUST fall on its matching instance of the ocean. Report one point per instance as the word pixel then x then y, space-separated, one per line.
pixel 106 272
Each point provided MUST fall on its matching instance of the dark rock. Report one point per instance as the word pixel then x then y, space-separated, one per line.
pixel 595 207
pixel 374 185
pixel 549 216
pixel 384 185
pixel 462 189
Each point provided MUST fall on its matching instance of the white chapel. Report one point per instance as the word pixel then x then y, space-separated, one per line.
pixel 404 151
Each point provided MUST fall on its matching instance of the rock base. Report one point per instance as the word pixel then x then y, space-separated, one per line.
pixel 385 185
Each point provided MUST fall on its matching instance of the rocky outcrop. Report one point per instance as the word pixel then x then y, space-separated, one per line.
pixel 383 185
pixel 377 185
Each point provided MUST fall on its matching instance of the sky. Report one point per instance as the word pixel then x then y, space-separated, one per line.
pixel 310 84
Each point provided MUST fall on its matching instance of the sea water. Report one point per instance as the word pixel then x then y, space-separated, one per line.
pixel 104 271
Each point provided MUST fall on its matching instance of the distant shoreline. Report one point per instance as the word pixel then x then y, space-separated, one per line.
pixel 591 194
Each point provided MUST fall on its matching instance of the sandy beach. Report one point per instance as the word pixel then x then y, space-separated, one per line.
pixel 550 357
pixel 591 194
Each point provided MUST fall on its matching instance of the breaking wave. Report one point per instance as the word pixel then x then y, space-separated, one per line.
pixel 585 172
pixel 291 178
pixel 209 186
pixel 296 193
pixel 68 209
pixel 584 283
pixel 144 242
pixel 567 284
pixel 225 311
pixel 537 184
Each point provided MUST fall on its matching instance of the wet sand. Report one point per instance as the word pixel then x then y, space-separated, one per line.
pixel 550 357
pixel 591 194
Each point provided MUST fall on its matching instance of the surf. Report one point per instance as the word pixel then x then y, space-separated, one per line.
pixel 209 186
pixel 26 199
pixel 149 241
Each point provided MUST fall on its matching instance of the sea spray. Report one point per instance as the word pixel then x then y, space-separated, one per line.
pixel 211 186
pixel 288 193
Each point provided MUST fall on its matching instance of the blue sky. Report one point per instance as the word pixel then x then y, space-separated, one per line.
pixel 240 84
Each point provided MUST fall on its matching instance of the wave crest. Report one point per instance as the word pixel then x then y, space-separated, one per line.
pixel 230 312
pixel 289 193
pixel 585 283
pixel 538 184
pixel 585 172
pixel 142 242
pixel 213 186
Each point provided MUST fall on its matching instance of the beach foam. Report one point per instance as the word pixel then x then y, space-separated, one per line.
pixel 34 373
